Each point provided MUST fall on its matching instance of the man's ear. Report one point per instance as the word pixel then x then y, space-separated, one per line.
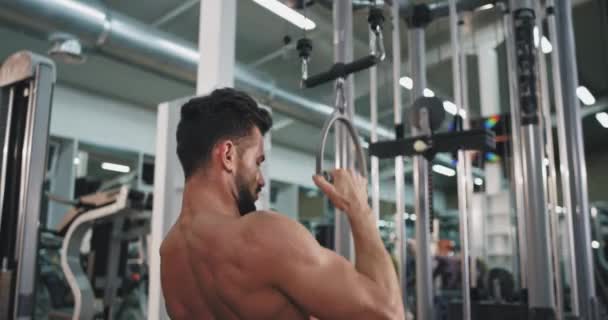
pixel 227 155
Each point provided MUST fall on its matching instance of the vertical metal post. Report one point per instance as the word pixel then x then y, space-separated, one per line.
pixel 343 52
pixel 463 177
pixel 572 156
pixel 373 112
pixel 424 284
pixel 399 175
pixel 518 179
pixel 541 295
pixel 549 169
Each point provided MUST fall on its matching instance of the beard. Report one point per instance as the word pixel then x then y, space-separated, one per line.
pixel 245 198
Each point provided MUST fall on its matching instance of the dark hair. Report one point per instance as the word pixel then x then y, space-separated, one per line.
pixel 224 114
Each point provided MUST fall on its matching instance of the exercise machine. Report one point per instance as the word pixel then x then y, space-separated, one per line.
pixel 102 282
pixel 26 89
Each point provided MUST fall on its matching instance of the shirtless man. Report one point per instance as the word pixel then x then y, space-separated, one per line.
pixel 224 260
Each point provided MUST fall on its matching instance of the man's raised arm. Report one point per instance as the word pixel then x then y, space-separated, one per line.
pixel 319 281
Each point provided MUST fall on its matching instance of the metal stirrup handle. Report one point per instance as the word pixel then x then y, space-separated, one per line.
pixel 379 50
pixel 337 116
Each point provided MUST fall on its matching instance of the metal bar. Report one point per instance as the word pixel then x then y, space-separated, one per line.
pixel 541 294
pixel 424 284
pixel 517 184
pixel 373 111
pixel 176 12
pixel 343 52
pixel 550 172
pixel 400 230
pixel 572 156
pixel 461 167
pixel 563 156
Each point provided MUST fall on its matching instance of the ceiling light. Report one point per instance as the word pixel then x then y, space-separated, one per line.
pixel 593 212
pixel 536 37
pixel 545 45
pixel 76 161
pixel 478 181
pixel 485 7
pixel 406 82
pixel 586 97
pixel 450 107
pixel 413 217
pixel 595 244
pixel 287 13
pixel 115 167
pixel 428 93
pixel 602 118
pixel 545 162
pixel 446 171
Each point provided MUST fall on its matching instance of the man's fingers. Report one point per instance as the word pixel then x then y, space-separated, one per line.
pixel 329 190
pixel 324 185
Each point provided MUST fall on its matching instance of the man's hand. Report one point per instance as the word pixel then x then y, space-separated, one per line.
pixel 348 192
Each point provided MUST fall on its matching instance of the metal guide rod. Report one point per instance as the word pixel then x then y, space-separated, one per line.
pixel 549 169
pixel 343 52
pixel 565 177
pixel 463 177
pixel 399 175
pixel 424 284
pixel 572 154
pixel 518 180
pixel 541 294
pixel 373 111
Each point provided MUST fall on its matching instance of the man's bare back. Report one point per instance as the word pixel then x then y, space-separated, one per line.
pixel 211 273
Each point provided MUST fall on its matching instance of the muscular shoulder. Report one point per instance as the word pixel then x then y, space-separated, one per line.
pixel 275 236
pixel 271 228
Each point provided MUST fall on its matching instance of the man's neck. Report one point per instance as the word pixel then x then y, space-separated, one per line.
pixel 209 195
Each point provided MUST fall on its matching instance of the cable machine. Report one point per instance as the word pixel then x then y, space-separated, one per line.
pixel 26 88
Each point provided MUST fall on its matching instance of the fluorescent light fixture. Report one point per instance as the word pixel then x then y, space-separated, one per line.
pixel 478 181
pixel 593 212
pixel 406 82
pixel 595 244
pixel 287 13
pixel 602 118
pixel 586 97
pixel 450 107
pixel 115 167
pixel 485 7
pixel 446 171
pixel 559 209
pixel 545 45
pixel 76 161
pixel 428 93
pixel 536 37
